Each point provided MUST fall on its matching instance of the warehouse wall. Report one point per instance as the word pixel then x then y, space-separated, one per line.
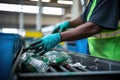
pixel 8 19
pixel 11 19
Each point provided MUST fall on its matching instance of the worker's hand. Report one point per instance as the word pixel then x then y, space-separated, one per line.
pixel 46 43
pixel 61 27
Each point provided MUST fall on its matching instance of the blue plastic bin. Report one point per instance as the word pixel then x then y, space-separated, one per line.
pixel 9 46
pixel 82 46
pixel 71 46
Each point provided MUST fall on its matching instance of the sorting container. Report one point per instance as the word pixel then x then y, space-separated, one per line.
pixel 10 45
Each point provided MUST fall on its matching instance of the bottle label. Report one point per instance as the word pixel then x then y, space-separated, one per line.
pixel 36 63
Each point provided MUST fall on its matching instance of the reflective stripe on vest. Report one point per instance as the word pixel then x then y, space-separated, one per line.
pixel 106 34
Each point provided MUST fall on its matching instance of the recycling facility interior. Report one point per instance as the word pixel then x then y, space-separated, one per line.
pixel 34 19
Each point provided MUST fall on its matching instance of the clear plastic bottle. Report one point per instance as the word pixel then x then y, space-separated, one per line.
pixel 34 64
pixel 57 58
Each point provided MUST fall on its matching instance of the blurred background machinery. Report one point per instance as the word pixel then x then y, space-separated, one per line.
pixel 34 19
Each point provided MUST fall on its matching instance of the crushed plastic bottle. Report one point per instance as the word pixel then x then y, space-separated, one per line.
pixel 33 62
pixel 58 58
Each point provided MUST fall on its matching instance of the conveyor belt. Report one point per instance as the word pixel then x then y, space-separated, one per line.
pixel 96 68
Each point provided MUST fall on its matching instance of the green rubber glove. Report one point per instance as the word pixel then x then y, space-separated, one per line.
pixel 46 43
pixel 61 27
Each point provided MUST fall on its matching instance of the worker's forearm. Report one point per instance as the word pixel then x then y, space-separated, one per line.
pixel 83 31
pixel 76 22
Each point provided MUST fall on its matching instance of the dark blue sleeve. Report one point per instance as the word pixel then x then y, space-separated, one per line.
pixel 84 14
pixel 105 14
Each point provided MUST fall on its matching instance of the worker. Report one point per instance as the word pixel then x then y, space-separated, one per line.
pixel 98 23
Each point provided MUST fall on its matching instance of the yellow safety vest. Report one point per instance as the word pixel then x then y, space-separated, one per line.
pixel 105 44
